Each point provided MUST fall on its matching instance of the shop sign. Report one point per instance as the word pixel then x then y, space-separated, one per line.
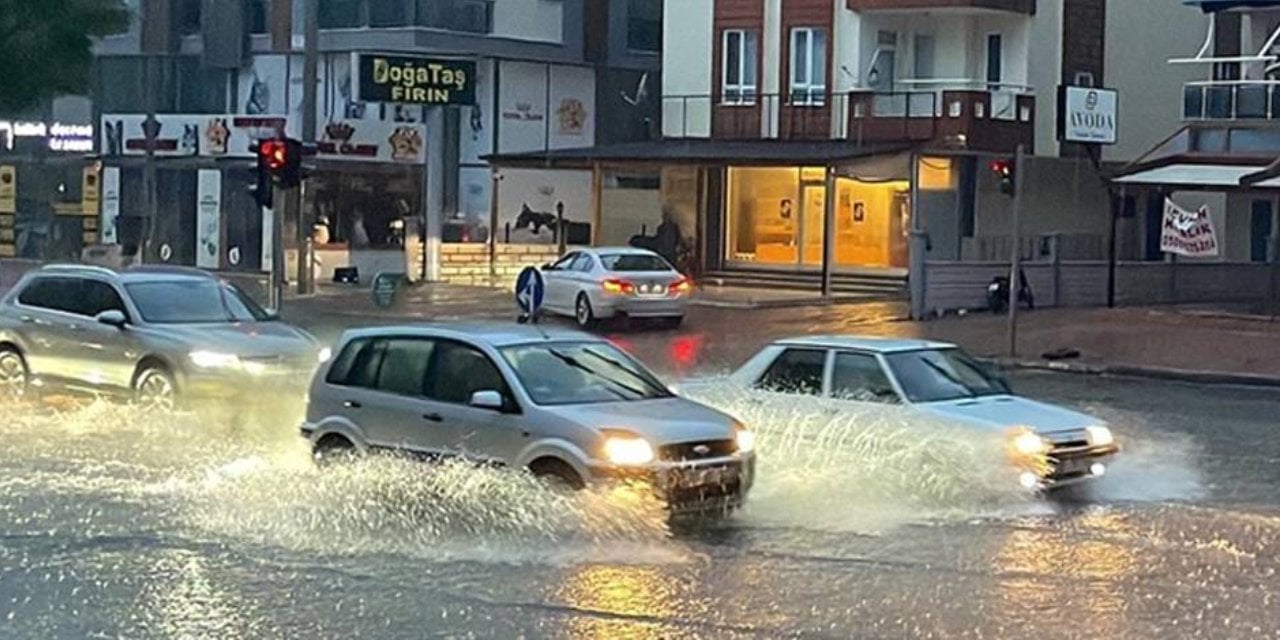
pixel 89 191
pixel 110 204
pixel 373 141
pixel 213 136
pixel 208 218
pixel 8 189
pixel 415 80
pixel 59 136
pixel 1188 233
pixel 1087 115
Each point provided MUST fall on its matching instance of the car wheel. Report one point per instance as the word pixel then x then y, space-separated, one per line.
pixel 556 475
pixel 332 449
pixel 582 312
pixel 14 376
pixel 155 390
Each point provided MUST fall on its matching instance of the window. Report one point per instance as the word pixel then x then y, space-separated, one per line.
pixel 364 370
pixel 634 262
pixel 259 16
pixel 582 263
pixel 644 25
pixel 808 66
pixel 389 13
pixel 340 14
pixel 936 375
pixel 859 376
pixel 923 62
pixel 343 365
pixel 56 294
pixel 565 263
pixel 468 16
pixel 995 61
pixel 459 371
pixel 189 17
pixel 404 366
pixel 739 67
pixel 796 371
pixel 581 373
pixel 193 302
pixel 97 296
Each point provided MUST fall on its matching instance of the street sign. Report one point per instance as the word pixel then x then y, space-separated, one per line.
pixel 529 291
pixel 384 288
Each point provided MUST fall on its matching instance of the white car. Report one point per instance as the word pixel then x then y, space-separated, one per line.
pixel 590 285
pixel 942 381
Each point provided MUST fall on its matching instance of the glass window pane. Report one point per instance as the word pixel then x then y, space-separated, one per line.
pixel 799 57
pixel 339 14
pixel 644 25
pixel 796 371
pixel 404 367
pixel 749 57
pixel 460 371
pixel 818 56
pixel 368 362
pixel 732 58
pixel 389 13
pixel 859 376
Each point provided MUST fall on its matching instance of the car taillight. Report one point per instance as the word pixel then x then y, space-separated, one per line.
pixel 683 285
pixel 613 285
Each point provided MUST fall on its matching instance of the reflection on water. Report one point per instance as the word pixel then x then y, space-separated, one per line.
pixel 622 601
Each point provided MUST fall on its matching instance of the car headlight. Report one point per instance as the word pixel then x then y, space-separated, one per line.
pixel 324 355
pixel 628 450
pixel 214 360
pixel 1099 436
pixel 1028 443
pixel 746 439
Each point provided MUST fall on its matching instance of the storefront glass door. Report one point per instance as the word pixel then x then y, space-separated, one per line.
pixel 814 203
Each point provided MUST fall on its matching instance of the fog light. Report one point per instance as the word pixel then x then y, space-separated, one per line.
pixel 1098 469
pixel 1029 480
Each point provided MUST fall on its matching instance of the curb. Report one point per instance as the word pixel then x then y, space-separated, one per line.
pixel 1155 373
pixel 799 303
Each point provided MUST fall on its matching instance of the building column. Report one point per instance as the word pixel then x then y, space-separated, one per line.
pixel 433 193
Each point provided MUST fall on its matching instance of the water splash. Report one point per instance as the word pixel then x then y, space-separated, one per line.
pixel 838 466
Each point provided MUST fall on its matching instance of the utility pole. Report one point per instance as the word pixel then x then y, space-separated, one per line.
pixel 304 207
pixel 149 186
pixel 1015 283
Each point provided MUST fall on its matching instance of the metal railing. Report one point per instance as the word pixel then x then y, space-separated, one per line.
pixel 832 115
pixel 1231 100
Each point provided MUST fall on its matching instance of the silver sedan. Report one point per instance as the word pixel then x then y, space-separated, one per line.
pixel 590 285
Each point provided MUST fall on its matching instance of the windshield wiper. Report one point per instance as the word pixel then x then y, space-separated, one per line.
pixel 623 367
pixel 573 362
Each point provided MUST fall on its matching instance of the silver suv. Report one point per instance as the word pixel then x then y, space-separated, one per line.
pixel 565 405
pixel 156 334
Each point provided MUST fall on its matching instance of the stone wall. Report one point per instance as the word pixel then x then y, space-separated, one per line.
pixel 469 263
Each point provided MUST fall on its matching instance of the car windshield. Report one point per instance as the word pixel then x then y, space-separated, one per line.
pixel 633 262
pixel 581 373
pixel 193 302
pixel 933 375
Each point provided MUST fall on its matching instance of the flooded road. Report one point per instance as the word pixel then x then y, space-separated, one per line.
pixel 870 525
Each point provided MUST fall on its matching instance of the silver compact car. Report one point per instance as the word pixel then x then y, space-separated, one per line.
pixel 563 404
pixel 158 335
pixel 590 285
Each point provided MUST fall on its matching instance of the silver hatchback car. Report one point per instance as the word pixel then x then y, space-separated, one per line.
pixel 560 403
pixel 156 334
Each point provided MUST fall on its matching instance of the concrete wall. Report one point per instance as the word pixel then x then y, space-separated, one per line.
pixel 469 263
pixel 688 37
pixel 950 286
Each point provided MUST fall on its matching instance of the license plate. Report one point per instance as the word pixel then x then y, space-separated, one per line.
pixel 653 288
pixel 706 477
pixel 1077 465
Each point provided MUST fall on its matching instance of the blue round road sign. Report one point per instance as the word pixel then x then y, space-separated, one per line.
pixel 529 290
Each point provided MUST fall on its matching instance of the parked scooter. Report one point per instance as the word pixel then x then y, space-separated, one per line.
pixel 998 293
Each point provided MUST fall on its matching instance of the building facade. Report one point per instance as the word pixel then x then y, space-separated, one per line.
pixel 390 170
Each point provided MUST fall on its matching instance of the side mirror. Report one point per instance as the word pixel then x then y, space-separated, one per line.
pixel 113 318
pixel 487 400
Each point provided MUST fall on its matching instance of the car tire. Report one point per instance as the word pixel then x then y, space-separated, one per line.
pixel 154 389
pixel 332 449
pixel 15 377
pixel 583 314
pixel 557 475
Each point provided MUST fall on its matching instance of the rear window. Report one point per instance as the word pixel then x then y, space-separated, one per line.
pixel 634 262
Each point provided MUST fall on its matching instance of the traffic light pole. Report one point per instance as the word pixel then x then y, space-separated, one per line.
pixel 1015 283
pixel 303 206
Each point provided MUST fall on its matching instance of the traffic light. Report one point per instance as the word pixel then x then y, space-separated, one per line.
pixel 1003 168
pixel 263 188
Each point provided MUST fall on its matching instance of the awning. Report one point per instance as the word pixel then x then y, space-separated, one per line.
pixel 703 151
pixel 1193 175
pixel 1213 6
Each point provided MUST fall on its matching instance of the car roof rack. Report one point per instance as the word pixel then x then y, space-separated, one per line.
pixel 78 268
pixel 176 270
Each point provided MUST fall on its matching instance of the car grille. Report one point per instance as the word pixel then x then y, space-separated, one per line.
pixel 689 451
pixel 1068 440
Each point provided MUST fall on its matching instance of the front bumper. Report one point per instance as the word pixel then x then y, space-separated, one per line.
pixel 708 485
pixel 1073 465
pixel 271 387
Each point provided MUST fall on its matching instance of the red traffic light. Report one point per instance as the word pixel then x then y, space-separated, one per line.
pixel 274 154
pixel 1002 167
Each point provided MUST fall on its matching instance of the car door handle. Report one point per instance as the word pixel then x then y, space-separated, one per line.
pixel 352 404
pixel 27 319
pixel 433 417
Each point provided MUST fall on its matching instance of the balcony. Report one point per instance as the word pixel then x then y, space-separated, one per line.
pixel 1227 100
pixel 1016 6
pixel 966 118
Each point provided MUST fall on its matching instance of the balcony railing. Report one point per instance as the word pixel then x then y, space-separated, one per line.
pixel 1231 100
pixel 974 118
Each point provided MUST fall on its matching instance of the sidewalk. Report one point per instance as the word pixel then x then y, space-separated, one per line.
pixel 1163 342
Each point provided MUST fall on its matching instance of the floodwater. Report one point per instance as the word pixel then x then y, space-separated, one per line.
pixel 863 524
